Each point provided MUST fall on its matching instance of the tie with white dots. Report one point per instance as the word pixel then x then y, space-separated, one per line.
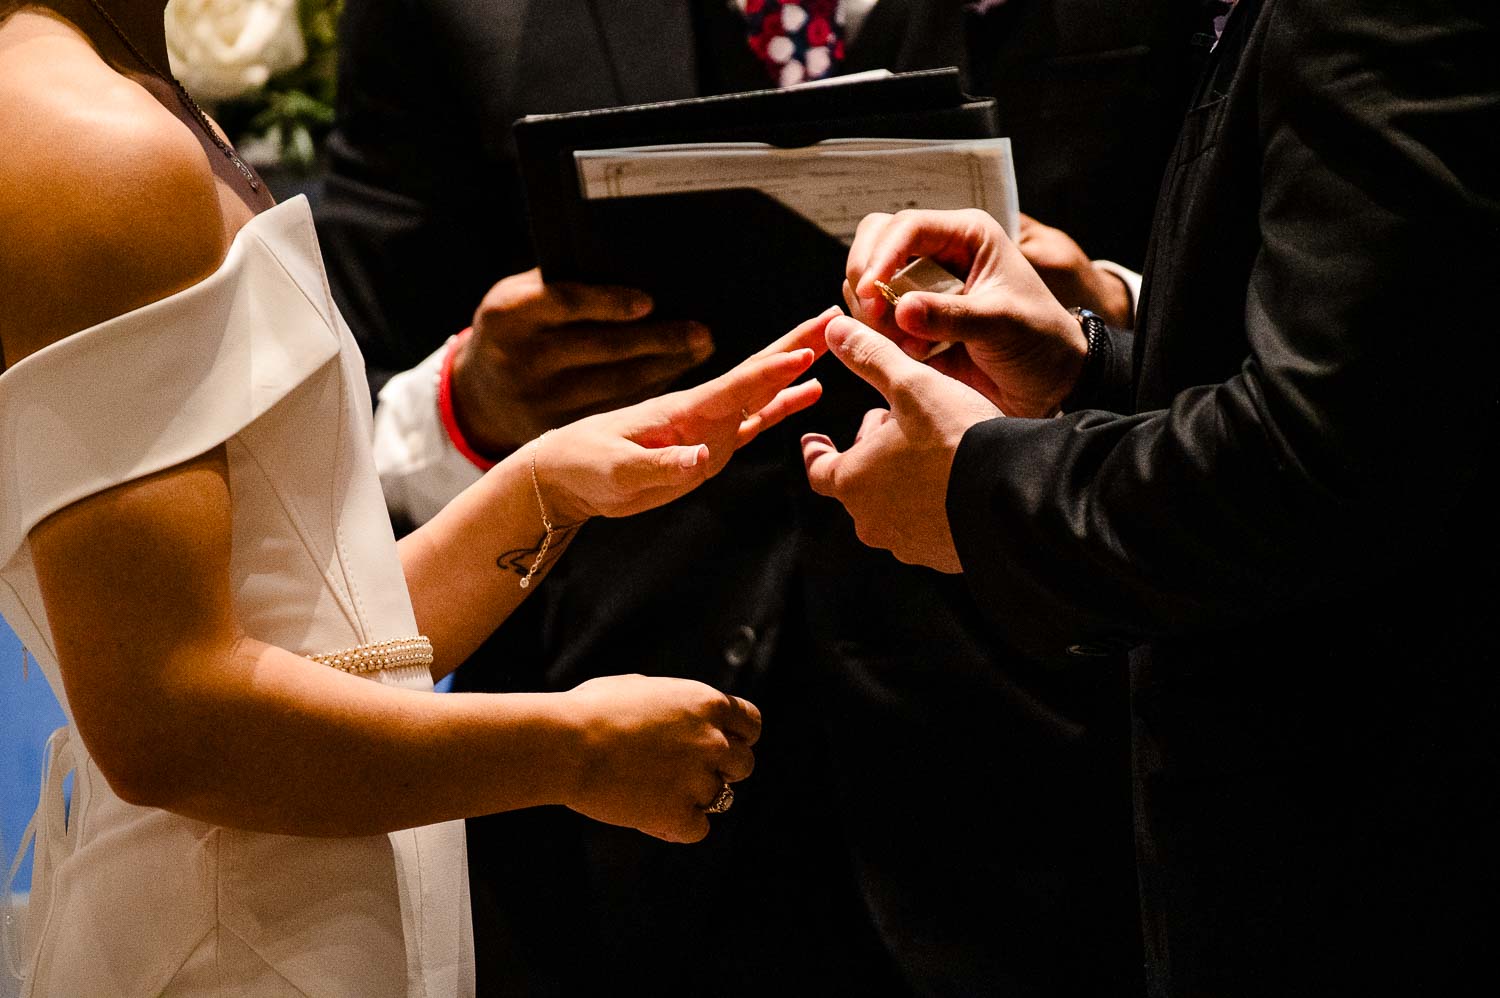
pixel 796 40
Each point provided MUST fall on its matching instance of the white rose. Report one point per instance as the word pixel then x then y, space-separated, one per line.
pixel 222 49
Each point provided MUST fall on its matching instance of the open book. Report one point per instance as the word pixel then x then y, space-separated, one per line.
pixel 833 183
pixel 736 210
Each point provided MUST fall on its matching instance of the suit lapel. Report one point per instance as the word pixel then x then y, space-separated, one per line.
pixel 651 44
pixel 1187 163
pixel 903 35
pixel 1224 56
pixel 882 37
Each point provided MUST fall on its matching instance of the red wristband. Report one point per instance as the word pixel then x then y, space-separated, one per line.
pixel 445 405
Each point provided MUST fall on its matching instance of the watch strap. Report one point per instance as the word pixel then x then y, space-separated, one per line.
pixel 1095 359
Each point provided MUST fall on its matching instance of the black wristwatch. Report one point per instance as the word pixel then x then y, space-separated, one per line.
pixel 1095 359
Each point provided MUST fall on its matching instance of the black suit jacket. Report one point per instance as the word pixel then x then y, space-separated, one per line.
pixel 863 856
pixel 1294 525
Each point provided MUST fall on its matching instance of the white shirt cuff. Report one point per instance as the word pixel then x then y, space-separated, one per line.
pixel 1131 279
pixel 420 469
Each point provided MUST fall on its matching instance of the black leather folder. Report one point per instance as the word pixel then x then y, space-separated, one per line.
pixel 737 259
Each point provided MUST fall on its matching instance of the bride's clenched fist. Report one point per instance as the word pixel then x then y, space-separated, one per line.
pixel 656 753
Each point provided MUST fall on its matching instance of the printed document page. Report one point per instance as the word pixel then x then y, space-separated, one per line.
pixel 833 183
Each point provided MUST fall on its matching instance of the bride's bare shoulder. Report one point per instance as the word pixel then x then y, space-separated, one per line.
pixel 107 202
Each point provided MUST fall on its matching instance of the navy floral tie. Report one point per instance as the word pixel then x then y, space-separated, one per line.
pixel 796 40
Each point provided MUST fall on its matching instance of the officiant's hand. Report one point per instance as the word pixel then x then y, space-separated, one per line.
pixel 1071 276
pixel 634 459
pixel 545 354
pixel 657 752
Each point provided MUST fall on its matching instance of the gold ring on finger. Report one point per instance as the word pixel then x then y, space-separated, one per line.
pixel 722 802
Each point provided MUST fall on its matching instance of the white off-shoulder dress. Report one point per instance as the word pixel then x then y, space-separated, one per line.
pixel 131 901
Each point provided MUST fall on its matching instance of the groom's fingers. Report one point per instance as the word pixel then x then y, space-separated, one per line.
pixel 873 357
pixel 821 459
pixel 935 317
pixel 949 237
pixel 874 420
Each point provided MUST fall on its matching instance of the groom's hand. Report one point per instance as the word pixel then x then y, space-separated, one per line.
pixel 894 479
pixel 1021 348
pixel 542 355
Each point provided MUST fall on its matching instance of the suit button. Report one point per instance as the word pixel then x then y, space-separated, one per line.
pixel 741 646
pixel 1089 650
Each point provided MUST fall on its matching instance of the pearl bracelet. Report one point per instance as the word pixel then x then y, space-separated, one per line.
pixel 395 654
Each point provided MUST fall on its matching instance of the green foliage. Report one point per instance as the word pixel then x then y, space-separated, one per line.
pixel 295 107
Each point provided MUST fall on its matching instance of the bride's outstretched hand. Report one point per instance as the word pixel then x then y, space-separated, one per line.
pixel 634 459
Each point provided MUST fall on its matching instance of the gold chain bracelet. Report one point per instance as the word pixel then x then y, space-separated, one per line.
pixel 536 487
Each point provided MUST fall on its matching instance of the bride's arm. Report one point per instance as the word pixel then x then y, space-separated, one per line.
pixel 177 705
pixel 464 567
pixel 182 710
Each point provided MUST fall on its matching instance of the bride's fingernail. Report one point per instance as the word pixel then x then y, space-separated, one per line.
pixel 690 458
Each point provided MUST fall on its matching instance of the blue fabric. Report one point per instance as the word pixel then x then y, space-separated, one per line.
pixel 28 713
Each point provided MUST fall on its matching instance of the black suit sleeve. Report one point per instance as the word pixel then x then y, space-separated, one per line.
pixel 419 214
pixel 1365 410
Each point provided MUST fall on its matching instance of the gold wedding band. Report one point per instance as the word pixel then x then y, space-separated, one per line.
pixel 888 293
pixel 744 414
pixel 722 802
